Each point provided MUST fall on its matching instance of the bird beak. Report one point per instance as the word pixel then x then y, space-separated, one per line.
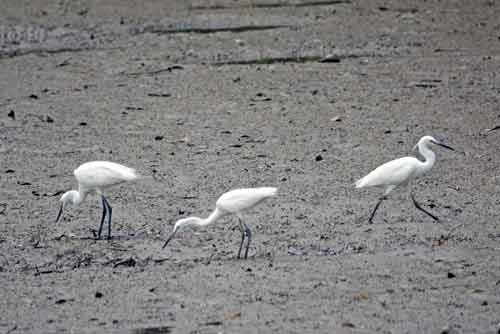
pixel 443 145
pixel 168 240
pixel 493 128
pixel 60 212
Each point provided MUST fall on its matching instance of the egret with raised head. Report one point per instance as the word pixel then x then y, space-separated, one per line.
pixel 233 202
pixel 97 176
pixel 401 171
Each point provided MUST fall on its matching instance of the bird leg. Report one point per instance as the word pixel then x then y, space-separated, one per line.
pixel 375 209
pixel 249 238
pixel 242 229
pixel 417 205
pixel 103 216
pixel 110 211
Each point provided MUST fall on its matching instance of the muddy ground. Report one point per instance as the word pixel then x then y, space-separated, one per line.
pixel 202 97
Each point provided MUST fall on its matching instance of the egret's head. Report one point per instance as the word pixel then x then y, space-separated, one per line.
pixel 69 197
pixel 179 224
pixel 426 140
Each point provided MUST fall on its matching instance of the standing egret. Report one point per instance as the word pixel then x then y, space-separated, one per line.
pixel 401 171
pixel 96 176
pixel 233 202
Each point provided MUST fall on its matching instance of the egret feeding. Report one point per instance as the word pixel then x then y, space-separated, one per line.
pixel 233 202
pixel 401 171
pixel 96 176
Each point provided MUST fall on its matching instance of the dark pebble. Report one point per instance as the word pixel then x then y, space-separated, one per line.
pixel 451 275
pixel 12 114
pixel 33 96
pixel 98 294
pixel 330 59
pixel 158 137
pixel 318 157
pixel 348 324
pixel 49 119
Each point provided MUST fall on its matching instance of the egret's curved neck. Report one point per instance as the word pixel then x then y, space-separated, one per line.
pixel 216 214
pixel 429 156
pixel 79 195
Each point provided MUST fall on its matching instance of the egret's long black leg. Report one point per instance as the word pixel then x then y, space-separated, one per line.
pixel 249 238
pixel 422 209
pixel 242 229
pixel 103 216
pixel 375 209
pixel 110 211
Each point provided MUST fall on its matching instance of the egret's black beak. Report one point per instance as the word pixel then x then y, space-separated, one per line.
pixel 443 145
pixel 60 212
pixel 493 128
pixel 168 240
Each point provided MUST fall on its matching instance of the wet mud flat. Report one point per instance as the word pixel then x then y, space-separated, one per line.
pixel 202 97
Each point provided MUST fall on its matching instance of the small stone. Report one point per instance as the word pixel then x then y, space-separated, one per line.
pixel 49 119
pixel 318 157
pixel 451 275
pixel 98 294
pixel 33 96
pixel 157 138
pixel 348 324
pixel 330 59
pixel 12 114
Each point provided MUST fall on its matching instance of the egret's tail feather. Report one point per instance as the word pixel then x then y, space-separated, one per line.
pixel 131 174
pixel 272 191
pixel 360 183
pixel 269 191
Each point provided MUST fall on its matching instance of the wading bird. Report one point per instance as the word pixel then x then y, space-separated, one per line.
pixel 96 176
pixel 233 202
pixel 401 171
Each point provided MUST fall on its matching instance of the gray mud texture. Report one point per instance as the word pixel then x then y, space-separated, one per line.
pixel 206 96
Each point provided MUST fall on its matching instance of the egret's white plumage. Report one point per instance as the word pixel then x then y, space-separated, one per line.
pixel 401 171
pixel 233 202
pixel 97 176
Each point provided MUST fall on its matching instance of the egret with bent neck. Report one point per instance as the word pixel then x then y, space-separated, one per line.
pixel 233 202
pixel 96 176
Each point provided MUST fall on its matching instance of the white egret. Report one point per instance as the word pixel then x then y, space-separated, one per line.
pixel 97 176
pixel 401 171
pixel 233 202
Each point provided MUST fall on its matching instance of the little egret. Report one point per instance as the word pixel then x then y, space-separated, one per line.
pixel 401 171
pixel 96 176
pixel 233 202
